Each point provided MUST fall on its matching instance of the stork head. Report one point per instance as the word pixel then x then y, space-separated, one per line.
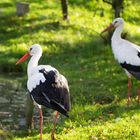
pixel 33 50
pixel 116 23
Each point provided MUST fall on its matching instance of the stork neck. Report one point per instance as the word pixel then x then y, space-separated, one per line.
pixel 117 33
pixel 32 64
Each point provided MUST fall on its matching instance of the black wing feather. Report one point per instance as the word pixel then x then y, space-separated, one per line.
pixel 134 70
pixel 53 93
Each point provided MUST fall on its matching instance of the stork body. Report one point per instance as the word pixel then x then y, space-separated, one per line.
pixel 46 86
pixel 126 53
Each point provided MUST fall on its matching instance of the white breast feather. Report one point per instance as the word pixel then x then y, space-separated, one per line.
pixel 34 80
pixel 125 51
pixel 35 77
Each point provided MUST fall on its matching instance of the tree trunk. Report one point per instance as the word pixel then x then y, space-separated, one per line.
pixel 29 112
pixel 64 4
pixel 117 6
pixel 117 12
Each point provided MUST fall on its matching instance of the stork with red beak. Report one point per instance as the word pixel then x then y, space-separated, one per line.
pixel 46 86
pixel 126 53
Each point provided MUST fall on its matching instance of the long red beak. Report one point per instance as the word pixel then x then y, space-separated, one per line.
pixel 23 58
pixel 108 28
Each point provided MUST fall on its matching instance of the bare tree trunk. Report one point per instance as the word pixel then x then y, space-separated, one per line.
pixel 117 6
pixel 29 112
pixel 117 12
pixel 64 4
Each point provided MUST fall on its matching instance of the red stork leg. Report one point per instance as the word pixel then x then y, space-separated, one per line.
pixel 41 122
pixel 55 121
pixel 129 91
pixel 138 95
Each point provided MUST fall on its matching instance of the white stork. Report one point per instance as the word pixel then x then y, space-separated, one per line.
pixel 46 86
pixel 126 53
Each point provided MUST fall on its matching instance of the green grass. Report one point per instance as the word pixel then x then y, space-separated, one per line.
pixel 98 85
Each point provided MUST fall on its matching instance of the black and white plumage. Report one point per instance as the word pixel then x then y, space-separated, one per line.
pixel 46 85
pixel 126 53
pixel 132 69
pixel 50 90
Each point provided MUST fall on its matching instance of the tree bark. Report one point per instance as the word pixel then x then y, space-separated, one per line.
pixel 64 5
pixel 117 6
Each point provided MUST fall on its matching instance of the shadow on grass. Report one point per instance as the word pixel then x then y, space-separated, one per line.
pixel 6 4
pixel 12 27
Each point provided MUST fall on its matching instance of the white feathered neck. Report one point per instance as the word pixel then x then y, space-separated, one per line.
pixel 117 33
pixel 33 63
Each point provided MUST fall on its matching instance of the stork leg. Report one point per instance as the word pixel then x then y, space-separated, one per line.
pixel 41 122
pixel 129 91
pixel 138 95
pixel 55 121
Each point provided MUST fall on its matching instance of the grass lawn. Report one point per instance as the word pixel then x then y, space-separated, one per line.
pixel 98 86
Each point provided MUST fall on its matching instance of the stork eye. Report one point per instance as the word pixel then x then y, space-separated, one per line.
pixel 31 49
pixel 115 22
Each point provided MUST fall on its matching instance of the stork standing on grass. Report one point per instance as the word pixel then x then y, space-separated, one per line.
pixel 126 53
pixel 46 86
